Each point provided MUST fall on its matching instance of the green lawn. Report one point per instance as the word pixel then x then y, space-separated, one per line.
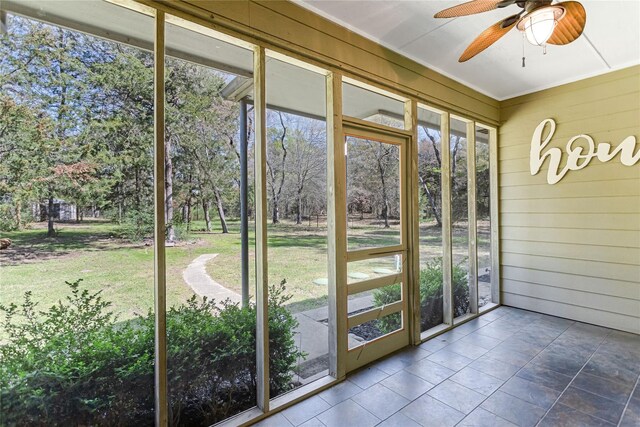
pixel 123 271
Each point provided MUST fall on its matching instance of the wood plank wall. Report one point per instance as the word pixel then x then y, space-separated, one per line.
pixel 573 249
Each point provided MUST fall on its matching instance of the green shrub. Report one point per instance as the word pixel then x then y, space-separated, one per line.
pixel 75 364
pixel 7 217
pixel 137 225
pixel 430 297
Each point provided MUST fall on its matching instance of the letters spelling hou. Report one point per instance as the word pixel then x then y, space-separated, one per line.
pixel 578 156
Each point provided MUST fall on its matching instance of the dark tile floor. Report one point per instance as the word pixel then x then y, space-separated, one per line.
pixel 508 367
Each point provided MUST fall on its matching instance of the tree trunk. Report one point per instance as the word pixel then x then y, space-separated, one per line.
pixel 432 202
pixel 207 217
pixel 50 230
pixel 385 197
pixel 223 221
pixel 18 214
pixel 299 211
pixel 168 191
pixel 187 213
pixel 275 215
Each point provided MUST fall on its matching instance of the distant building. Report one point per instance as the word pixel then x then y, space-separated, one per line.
pixel 62 211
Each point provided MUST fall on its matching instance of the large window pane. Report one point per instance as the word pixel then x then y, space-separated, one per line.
pixel 373 193
pixel 459 218
pixel 297 225
pixel 76 203
pixel 211 331
pixel 430 218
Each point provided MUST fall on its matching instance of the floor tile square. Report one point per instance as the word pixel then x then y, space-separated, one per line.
pixel 543 376
pixel 277 420
pixel 631 415
pixel 407 385
pixel 340 392
pixel 449 359
pixel 483 341
pixel 457 396
pixel 305 410
pixel 592 404
pixel 348 413
pixel 313 422
pixel 380 401
pixel 430 371
pixel 561 415
pixel 495 368
pixel 519 412
pixel 399 420
pixel 531 392
pixel 605 366
pixel 465 349
pixel 483 418
pixel 477 381
pixel 434 344
pixel 367 377
pixel 614 390
pixel 509 356
pixel 428 411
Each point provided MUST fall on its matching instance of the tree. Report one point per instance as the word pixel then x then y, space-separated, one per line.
pixel 276 161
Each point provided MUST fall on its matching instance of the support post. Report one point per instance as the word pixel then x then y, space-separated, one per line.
pixel 336 228
pixel 160 294
pixel 445 179
pixel 262 282
pixel 413 218
pixel 494 212
pixel 244 211
pixel 471 215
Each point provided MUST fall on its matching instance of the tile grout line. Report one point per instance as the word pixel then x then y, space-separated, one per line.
pixel 573 379
pixel 629 400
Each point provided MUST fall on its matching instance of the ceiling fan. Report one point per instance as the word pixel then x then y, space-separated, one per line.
pixel 541 21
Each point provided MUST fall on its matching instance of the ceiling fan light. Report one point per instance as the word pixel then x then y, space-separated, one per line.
pixel 539 26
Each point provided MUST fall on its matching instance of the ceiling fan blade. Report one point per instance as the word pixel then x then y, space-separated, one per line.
pixel 472 7
pixel 487 38
pixel 570 27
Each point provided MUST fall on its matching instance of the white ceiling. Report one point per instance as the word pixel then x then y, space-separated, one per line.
pixel 611 41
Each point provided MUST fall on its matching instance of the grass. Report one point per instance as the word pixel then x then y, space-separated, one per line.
pixel 123 271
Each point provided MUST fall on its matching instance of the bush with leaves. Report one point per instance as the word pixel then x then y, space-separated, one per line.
pixel 431 279
pixel 137 225
pixel 75 364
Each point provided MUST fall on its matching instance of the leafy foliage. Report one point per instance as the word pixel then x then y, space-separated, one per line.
pixel 75 364
pixel 430 297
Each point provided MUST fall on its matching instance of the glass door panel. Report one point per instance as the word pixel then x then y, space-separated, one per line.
pixel 377 309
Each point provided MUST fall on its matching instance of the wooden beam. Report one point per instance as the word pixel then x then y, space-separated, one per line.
pixel 262 281
pixel 471 215
pixel 336 228
pixel 160 285
pixel 445 180
pixel 413 219
pixel 494 204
